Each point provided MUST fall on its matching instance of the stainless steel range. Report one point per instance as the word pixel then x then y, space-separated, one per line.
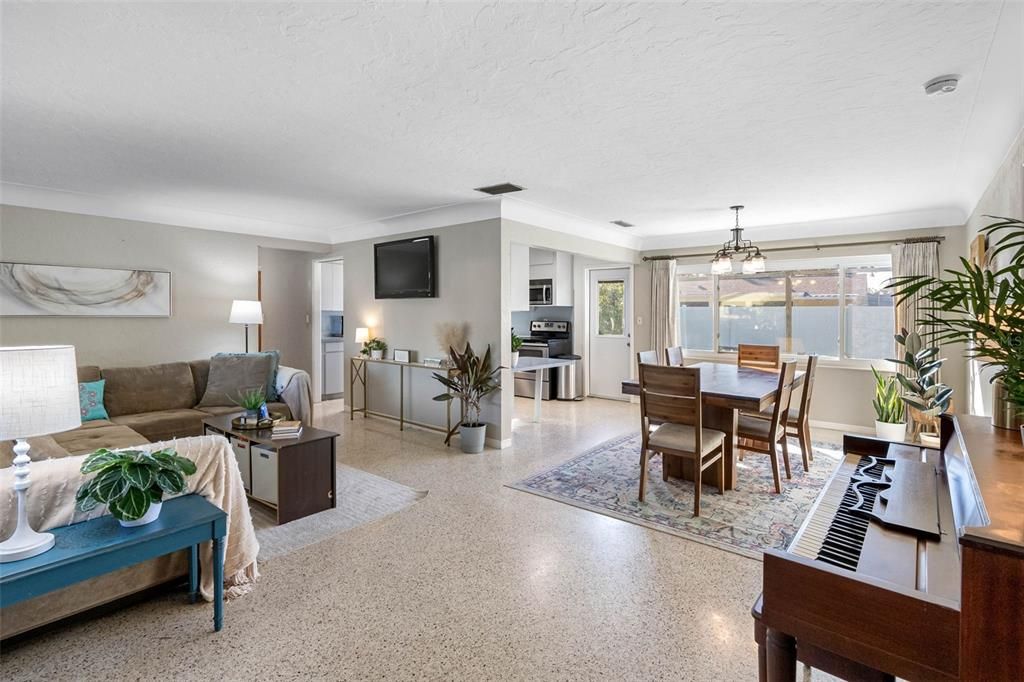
pixel 547 339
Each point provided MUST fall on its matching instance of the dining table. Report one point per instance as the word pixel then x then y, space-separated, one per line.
pixel 726 390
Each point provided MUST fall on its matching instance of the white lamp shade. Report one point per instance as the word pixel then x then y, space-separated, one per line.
pixel 38 391
pixel 246 312
pixel 362 334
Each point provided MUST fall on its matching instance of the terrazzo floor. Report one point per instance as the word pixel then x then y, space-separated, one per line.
pixel 475 582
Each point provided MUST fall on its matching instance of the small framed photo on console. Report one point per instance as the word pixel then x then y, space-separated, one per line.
pixel 401 355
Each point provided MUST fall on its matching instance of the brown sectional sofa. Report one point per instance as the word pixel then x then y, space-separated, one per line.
pixel 145 405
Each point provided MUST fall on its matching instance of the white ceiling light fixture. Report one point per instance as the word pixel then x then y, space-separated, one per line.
pixel 941 85
pixel 753 261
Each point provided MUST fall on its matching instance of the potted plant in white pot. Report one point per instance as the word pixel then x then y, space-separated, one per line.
pixel 375 348
pixel 470 380
pixel 132 483
pixel 889 408
pixel 517 343
pixel 253 401
pixel 923 394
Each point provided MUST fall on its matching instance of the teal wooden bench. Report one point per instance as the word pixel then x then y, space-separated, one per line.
pixel 91 548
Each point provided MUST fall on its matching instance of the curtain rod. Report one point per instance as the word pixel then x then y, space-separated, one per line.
pixel 816 247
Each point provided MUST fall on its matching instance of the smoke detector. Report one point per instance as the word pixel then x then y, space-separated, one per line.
pixel 942 84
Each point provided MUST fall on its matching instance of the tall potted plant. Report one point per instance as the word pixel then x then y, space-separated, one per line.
pixel 470 380
pixel 983 309
pixel 889 408
pixel 922 393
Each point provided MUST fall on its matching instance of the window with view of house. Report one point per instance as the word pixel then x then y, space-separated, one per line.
pixel 842 311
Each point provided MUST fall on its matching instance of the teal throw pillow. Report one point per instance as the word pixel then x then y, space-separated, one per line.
pixel 90 400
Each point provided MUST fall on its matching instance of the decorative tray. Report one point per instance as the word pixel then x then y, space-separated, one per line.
pixel 240 423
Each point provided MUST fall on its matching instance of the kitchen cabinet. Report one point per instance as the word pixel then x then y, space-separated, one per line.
pixel 556 266
pixel 332 286
pixel 333 368
pixel 520 269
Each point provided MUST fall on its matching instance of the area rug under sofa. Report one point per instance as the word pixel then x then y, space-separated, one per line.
pixel 605 479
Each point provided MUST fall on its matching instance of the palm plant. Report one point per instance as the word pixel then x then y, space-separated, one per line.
pixel 470 379
pixel 978 307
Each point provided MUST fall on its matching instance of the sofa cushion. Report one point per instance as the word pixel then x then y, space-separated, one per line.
pixel 164 424
pixel 270 387
pixel 89 373
pixel 135 390
pixel 232 374
pixel 85 440
pixel 40 447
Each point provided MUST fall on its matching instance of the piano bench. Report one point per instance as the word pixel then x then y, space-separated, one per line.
pixel 812 657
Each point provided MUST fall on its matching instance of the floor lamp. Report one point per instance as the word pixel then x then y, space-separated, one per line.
pixel 246 312
pixel 38 395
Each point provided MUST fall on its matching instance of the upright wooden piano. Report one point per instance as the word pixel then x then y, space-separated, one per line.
pixel 910 565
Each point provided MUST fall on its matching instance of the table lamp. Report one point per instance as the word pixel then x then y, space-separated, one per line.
pixel 38 396
pixel 246 312
pixel 362 334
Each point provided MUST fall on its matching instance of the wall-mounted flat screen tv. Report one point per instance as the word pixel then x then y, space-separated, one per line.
pixel 405 268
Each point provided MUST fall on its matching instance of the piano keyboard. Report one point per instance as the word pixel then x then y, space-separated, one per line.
pixel 832 533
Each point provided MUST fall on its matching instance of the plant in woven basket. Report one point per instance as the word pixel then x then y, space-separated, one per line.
pixel 921 389
pixel 129 481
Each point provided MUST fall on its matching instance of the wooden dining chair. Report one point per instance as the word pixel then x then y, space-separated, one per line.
pixel 674 356
pixel 757 356
pixel 647 357
pixel 763 435
pixel 798 420
pixel 671 396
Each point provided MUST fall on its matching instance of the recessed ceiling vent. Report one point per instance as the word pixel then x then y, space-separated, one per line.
pixel 622 223
pixel 503 188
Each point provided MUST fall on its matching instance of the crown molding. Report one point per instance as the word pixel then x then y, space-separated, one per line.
pixel 426 219
pixel 66 201
pixel 886 222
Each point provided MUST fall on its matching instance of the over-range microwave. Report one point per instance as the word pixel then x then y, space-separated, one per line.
pixel 540 292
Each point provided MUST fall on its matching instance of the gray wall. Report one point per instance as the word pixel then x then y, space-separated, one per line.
pixel 468 291
pixel 208 270
pixel 1004 197
pixel 287 296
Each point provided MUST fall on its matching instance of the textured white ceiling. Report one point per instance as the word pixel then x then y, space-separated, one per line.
pixel 306 118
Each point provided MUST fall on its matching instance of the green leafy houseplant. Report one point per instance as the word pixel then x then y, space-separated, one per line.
pixel 978 307
pixel 129 481
pixel 888 402
pixel 517 342
pixel 374 344
pixel 470 380
pixel 251 399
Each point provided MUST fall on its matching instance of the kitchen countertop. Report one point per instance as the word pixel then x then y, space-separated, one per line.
pixel 533 364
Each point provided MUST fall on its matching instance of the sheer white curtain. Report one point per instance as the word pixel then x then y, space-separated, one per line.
pixel 914 258
pixel 664 305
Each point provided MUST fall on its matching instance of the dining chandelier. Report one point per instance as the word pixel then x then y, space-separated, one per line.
pixel 753 261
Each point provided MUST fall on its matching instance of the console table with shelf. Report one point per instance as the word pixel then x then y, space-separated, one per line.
pixel 357 374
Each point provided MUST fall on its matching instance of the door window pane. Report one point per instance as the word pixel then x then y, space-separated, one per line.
pixel 751 309
pixel 611 312
pixel 815 296
pixel 696 325
pixel 869 314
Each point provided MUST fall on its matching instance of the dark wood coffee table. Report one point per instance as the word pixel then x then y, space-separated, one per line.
pixel 294 476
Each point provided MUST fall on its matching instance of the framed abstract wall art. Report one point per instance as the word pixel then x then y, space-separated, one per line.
pixel 32 290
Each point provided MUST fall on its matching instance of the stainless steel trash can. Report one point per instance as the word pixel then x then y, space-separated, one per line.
pixel 570 378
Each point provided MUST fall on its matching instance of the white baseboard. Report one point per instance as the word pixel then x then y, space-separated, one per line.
pixel 498 444
pixel 845 428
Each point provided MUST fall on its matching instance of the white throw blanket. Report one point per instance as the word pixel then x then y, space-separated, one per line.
pixel 51 504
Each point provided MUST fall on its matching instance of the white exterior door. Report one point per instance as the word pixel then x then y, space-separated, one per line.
pixel 609 314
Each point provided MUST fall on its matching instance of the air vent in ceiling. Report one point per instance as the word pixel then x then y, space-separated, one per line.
pixel 503 188
pixel 622 223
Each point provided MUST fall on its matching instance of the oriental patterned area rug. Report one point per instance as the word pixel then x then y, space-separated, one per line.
pixel 746 520
pixel 362 498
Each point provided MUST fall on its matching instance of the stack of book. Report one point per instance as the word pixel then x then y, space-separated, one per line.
pixel 285 429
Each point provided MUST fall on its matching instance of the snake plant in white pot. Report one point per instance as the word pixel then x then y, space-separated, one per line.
pixel 889 408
